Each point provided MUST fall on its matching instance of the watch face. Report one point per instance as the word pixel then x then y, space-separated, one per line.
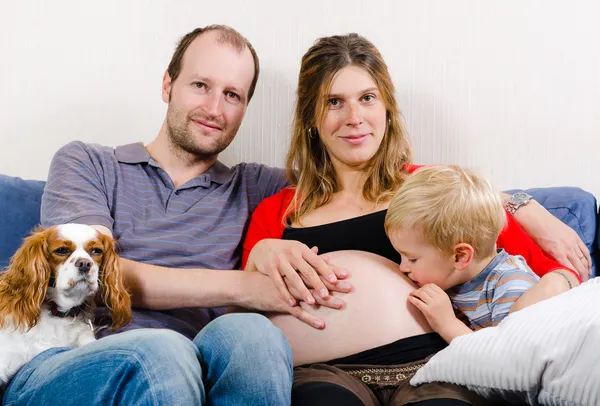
pixel 520 198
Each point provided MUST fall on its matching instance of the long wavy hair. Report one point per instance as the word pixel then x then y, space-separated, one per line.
pixel 308 164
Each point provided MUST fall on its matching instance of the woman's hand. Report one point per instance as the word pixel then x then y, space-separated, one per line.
pixel 298 272
pixel 555 238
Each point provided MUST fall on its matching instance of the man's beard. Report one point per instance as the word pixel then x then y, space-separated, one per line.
pixel 183 139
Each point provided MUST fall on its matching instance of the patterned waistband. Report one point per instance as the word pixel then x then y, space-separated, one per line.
pixel 382 376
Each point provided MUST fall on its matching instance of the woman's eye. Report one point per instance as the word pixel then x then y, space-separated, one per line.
pixel 96 251
pixel 199 85
pixel 368 98
pixel 62 251
pixel 333 102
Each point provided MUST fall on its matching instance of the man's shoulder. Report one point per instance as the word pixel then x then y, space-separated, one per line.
pixel 251 169
pixel 80 149
pixel 278 202
pixel 261 180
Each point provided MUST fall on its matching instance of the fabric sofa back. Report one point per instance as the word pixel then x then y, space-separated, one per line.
pixel 20 212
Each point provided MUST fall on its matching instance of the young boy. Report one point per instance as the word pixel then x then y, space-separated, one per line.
pixel 444 221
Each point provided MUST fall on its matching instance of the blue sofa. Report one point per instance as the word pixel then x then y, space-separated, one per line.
pixel 20 212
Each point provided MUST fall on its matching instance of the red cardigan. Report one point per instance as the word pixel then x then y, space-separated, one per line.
pixel 267 223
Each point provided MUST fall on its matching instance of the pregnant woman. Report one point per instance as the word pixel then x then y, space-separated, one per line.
pixel 348 156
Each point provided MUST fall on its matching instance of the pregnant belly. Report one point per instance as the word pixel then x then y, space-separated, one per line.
pixel 376 312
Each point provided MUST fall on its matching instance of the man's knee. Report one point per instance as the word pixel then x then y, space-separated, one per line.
pixel 154 353
pixel 244 333
pixel 243 352
pixel 146 345
pixel 246 328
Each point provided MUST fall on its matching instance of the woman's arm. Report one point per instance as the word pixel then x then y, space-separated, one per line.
pixel 516 242
pixel 554 237
pixel 551 284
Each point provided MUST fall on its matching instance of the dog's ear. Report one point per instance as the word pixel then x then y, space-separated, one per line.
pixel 23 286
pixel 114 295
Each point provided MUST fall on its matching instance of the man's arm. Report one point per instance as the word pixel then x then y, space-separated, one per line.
pixel 76 191
pixel 159 288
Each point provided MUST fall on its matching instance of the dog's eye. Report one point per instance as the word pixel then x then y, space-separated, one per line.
pixel 96 251
pixel 62 251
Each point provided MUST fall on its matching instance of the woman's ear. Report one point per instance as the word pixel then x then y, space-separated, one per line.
pixel 463 255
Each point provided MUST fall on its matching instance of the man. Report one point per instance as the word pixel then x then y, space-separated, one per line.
pixel 171 205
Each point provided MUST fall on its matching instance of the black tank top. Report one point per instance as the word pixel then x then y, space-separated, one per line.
pixel 364 233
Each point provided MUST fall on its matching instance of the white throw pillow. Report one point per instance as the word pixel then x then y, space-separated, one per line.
pixel 546 354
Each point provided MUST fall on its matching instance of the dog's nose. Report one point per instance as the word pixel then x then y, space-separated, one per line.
pixel 83 265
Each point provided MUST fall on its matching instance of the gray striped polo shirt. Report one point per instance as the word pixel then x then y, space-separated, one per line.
pixel 200 224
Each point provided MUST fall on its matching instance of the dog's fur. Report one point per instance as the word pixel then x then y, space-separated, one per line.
pixel 57 272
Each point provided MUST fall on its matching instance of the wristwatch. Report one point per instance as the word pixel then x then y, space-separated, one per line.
pixel 516 201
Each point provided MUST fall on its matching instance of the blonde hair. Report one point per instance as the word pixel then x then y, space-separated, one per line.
pixel 308 163
pixel 449 205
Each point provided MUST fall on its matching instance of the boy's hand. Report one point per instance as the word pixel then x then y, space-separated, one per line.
pixel 435 305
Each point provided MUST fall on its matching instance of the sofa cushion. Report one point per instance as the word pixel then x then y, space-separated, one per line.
pixel 19 212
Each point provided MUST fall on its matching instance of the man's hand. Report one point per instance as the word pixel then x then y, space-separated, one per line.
pixel 435 305
pixel 295 268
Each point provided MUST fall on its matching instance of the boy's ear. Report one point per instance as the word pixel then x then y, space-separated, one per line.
pixel 463 255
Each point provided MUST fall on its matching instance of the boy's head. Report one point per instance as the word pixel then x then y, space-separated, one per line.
pixel 442 218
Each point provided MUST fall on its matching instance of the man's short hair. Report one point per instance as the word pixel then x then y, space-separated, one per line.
pixel 228 36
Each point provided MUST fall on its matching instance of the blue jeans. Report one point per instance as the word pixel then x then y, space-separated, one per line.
pixel 237 359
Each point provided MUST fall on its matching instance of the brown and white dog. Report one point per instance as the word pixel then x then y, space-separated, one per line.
pixel 47 293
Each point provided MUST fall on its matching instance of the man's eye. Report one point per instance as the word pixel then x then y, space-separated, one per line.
pixel 62 251
pixel 199 85
pixel 96 251
pixel 233 95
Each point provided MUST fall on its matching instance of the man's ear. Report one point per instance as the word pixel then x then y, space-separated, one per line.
pixel 166 87
pixel 462 255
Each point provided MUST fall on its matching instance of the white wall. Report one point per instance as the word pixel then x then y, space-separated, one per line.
pixel 511 86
